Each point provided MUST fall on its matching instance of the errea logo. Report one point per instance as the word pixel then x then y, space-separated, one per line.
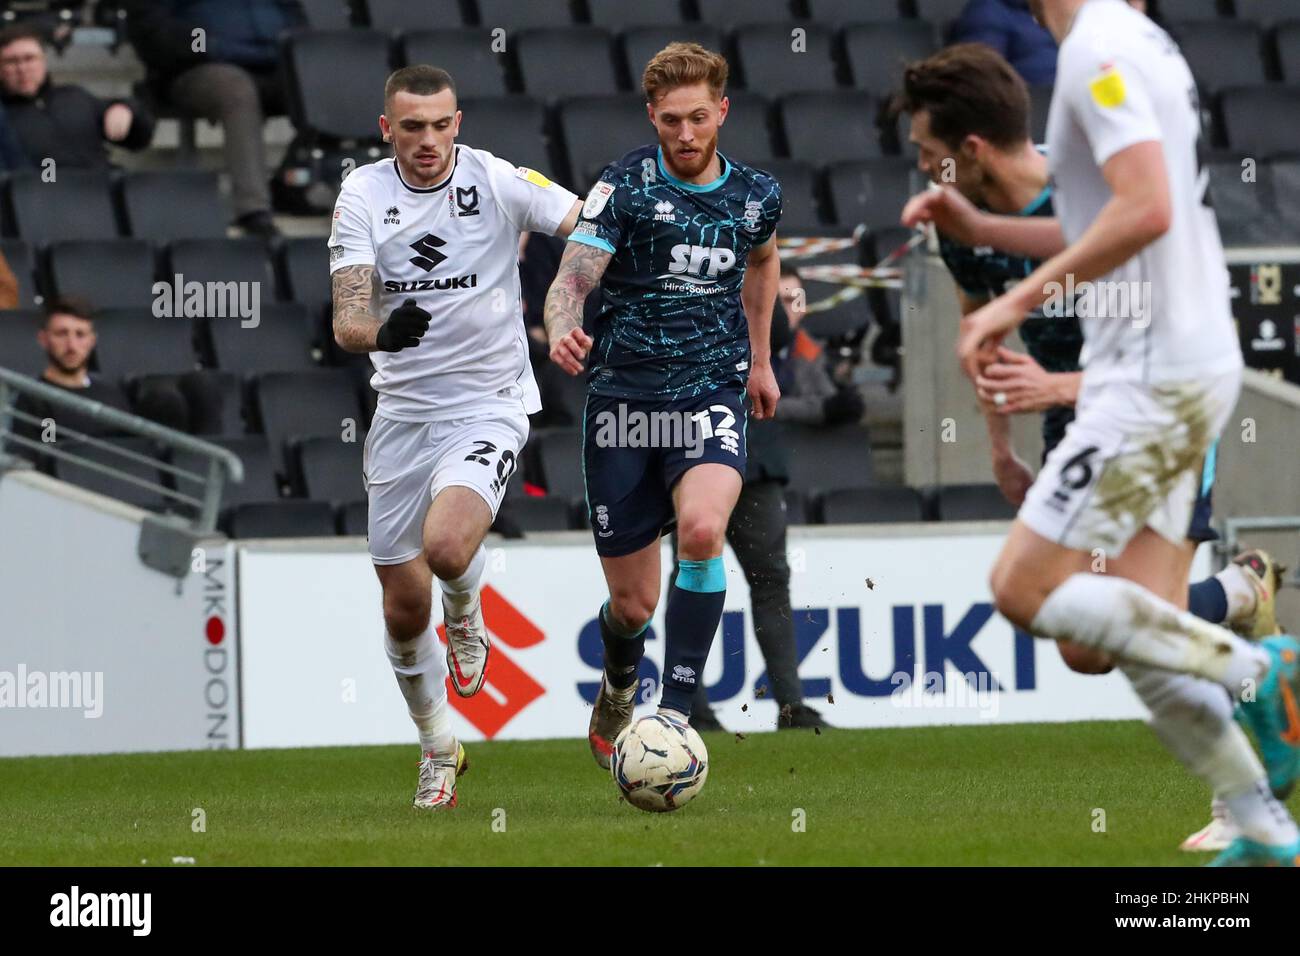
pixel 663 211
pixel 392 216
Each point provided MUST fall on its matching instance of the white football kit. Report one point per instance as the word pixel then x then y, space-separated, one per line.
pixel 454 409
pixel 1162 364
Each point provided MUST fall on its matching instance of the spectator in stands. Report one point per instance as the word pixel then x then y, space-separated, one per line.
pixel 11 151
pixel 757 529
pixel 219 60
pixel 1009 27
pixel 9 286
pixel 68 124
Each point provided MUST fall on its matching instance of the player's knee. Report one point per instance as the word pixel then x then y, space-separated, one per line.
pixel 1085 660
pixel 448 557
pixel 632 608
pixel 700 535
pixel 1009 595
pixel 406 612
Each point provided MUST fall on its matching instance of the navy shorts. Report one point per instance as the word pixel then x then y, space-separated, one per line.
pixel 634 452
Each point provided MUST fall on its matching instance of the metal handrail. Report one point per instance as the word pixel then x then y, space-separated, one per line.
pixel 222 464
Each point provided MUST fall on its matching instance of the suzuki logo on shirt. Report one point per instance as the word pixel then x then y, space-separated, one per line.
pixel 428 255
pixel 700 261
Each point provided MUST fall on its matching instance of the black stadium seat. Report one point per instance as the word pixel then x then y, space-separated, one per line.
pixel 85 476
pixel 534 14
pixel 829 127
pixel 771 65
pixel 1171 10
pixel 877 52
pixel 165 205
pixel 290 518
pixel 106 273
pixel 322 105
pixel 746 134
pixel 327 14
pixel 329 469
pixel 223 260
pixel 19 349
pixel 1222 53
pixel 879 504
pixel 853 11
pixel 640 44
pixel 280 342
pixel 798 200
pixel 540 514
pixel 468 55
pixel 978 502
pixel 293 406
pixel 394 15
pixel 577 61
pixel 1266 12
pixel 1288 49
pixel 940 12
pixel 18 254
pixel 509 127
pixel 1040 103
pixel 621 14
pixel 597 130
pixel 304 271
pixel 1259 120
pixel 1285 174
pixel 77 205
pixel 141 343
pixel 826 458
pixel 796 507
pixel 560 452
pixel 735 13
pixel 352 518
pixel 870 191
pixel 1244 210
pixel 259 482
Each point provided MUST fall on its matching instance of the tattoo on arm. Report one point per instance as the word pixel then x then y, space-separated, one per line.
pixel 580 270
pixel 354 325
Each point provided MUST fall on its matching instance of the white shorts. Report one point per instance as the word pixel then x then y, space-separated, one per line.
pixel 1132 458
pixel 406 465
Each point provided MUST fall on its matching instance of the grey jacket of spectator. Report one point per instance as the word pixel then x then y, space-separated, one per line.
pixel 66 124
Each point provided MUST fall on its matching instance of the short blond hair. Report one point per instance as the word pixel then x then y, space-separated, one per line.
pixel 683 64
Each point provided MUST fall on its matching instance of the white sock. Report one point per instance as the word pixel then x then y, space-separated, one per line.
pixel 422 677
pixel 461 593
pixel 1128 621
pixel 1193 719
pixel 1240 592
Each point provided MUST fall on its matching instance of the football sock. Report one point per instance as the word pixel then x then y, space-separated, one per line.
pixel 623 650
pixel 691 619
pixel 1128 621
pixel 1208 601
pixel 1238 591
pixel 422 677
pixel 461 592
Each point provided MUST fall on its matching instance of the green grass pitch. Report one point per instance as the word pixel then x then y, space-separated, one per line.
pixel 984 795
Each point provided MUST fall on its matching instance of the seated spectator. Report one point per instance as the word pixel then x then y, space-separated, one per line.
pixel 68 124
pixel 220 60
pixel 11 151
pixel 1009 27
pixel 809 394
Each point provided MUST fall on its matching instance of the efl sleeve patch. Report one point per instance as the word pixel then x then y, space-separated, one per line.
pixel 596 199
pixel 532 176
pixel 1107 88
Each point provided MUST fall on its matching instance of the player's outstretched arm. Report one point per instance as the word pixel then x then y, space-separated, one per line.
pixel 757 296
pixel 580 270
pixel 1038 237
pixel 355 327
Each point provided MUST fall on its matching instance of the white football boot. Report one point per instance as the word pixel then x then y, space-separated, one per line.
pixel 1214 836
pixel 467 647
pixel 438 773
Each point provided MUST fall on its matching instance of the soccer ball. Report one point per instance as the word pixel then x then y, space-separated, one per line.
pixel 660 763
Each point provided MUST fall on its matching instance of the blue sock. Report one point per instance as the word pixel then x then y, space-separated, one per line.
pixel 622 651
pixel 691 619
pixel 1208 601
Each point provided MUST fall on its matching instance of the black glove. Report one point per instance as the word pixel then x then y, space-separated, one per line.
pixel 846 405
pixel 405 325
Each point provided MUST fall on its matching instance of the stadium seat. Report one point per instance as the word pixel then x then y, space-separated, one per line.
pixel 577 61
pixel 769 65
pixel 18 254
pixel 223 260
pixel 397 15
pixel 1285 174
pixel 871 191
pixel 747 133
pixel 796 507
pixel 280 341
pixel 19 350
pixel 1245 210
pixel 1258 121
pixel 597 130
pixel 736 13
pixel 466 54
pixel 540 514
pixel 304 272
pixel 877 51
pixel 327 14
pixel 77 205
pixel 621 14
pixel 560 453
pixel 163 205
pixel 940 12
pixel 825 458
pixel 535 14
pixel 353 518
pixel 1222 53
pixel 290 518
pixel 1266 12
pixel 1174 10
pixel 810 118
pixel 259 484
pixel 1287 37
pixel 329 469
pixel 293 406
pixel 85 476
pixel 509 127
pixel 799 211
pixel 1040 103
pixel 640 44
pixel 136 342
pixel 853 11
pixel 881 504
pixel 977 502
pixel 323 106
pixel 106 273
